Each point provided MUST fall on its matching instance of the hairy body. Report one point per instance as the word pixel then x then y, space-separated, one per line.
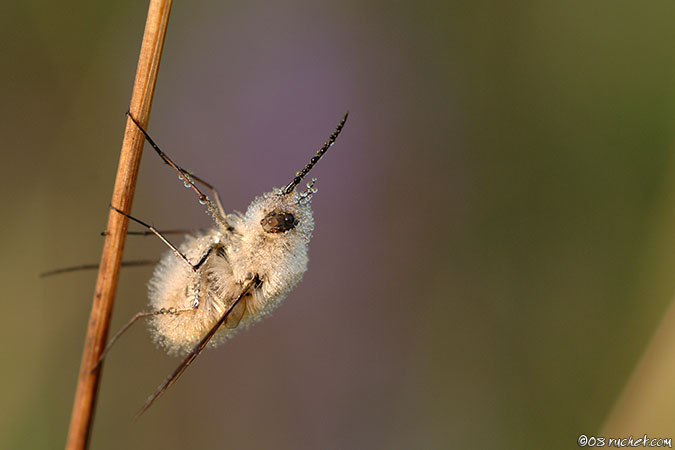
pixel 233 274
pixel 277 259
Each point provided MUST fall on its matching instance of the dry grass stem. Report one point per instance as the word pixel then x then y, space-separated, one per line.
pixel 127 171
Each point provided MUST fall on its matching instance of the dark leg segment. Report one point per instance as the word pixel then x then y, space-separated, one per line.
pixel 218 211
pixel 133 320
pixel 177 252
pixel 246 288
pixel 143 262
pixel 148 233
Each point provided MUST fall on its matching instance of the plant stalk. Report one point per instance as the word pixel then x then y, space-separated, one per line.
pixel 82 417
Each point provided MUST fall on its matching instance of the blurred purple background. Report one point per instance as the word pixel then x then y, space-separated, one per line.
pixel 493 245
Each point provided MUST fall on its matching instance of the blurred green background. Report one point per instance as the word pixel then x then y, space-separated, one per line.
pixel 492 263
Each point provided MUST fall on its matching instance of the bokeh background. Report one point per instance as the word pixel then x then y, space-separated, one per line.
pixel 493 258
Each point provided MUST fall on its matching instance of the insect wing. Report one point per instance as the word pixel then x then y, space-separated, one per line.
pixel 236 314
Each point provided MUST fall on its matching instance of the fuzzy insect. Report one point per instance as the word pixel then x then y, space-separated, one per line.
pixel 232 275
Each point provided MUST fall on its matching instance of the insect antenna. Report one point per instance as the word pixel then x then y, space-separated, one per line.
pixel 301 174
pixel 196 350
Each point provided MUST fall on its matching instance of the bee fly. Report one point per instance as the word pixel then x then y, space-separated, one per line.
pixel 232 275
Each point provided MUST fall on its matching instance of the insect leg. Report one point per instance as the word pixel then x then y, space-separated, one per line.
pixel 198 348
pixel 142 262
pixel 170 311
pixel 218 211
pixel 177 252
pixel 148 233
pixel 140 315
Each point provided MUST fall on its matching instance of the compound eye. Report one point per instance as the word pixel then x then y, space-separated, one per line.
pixel 278 222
